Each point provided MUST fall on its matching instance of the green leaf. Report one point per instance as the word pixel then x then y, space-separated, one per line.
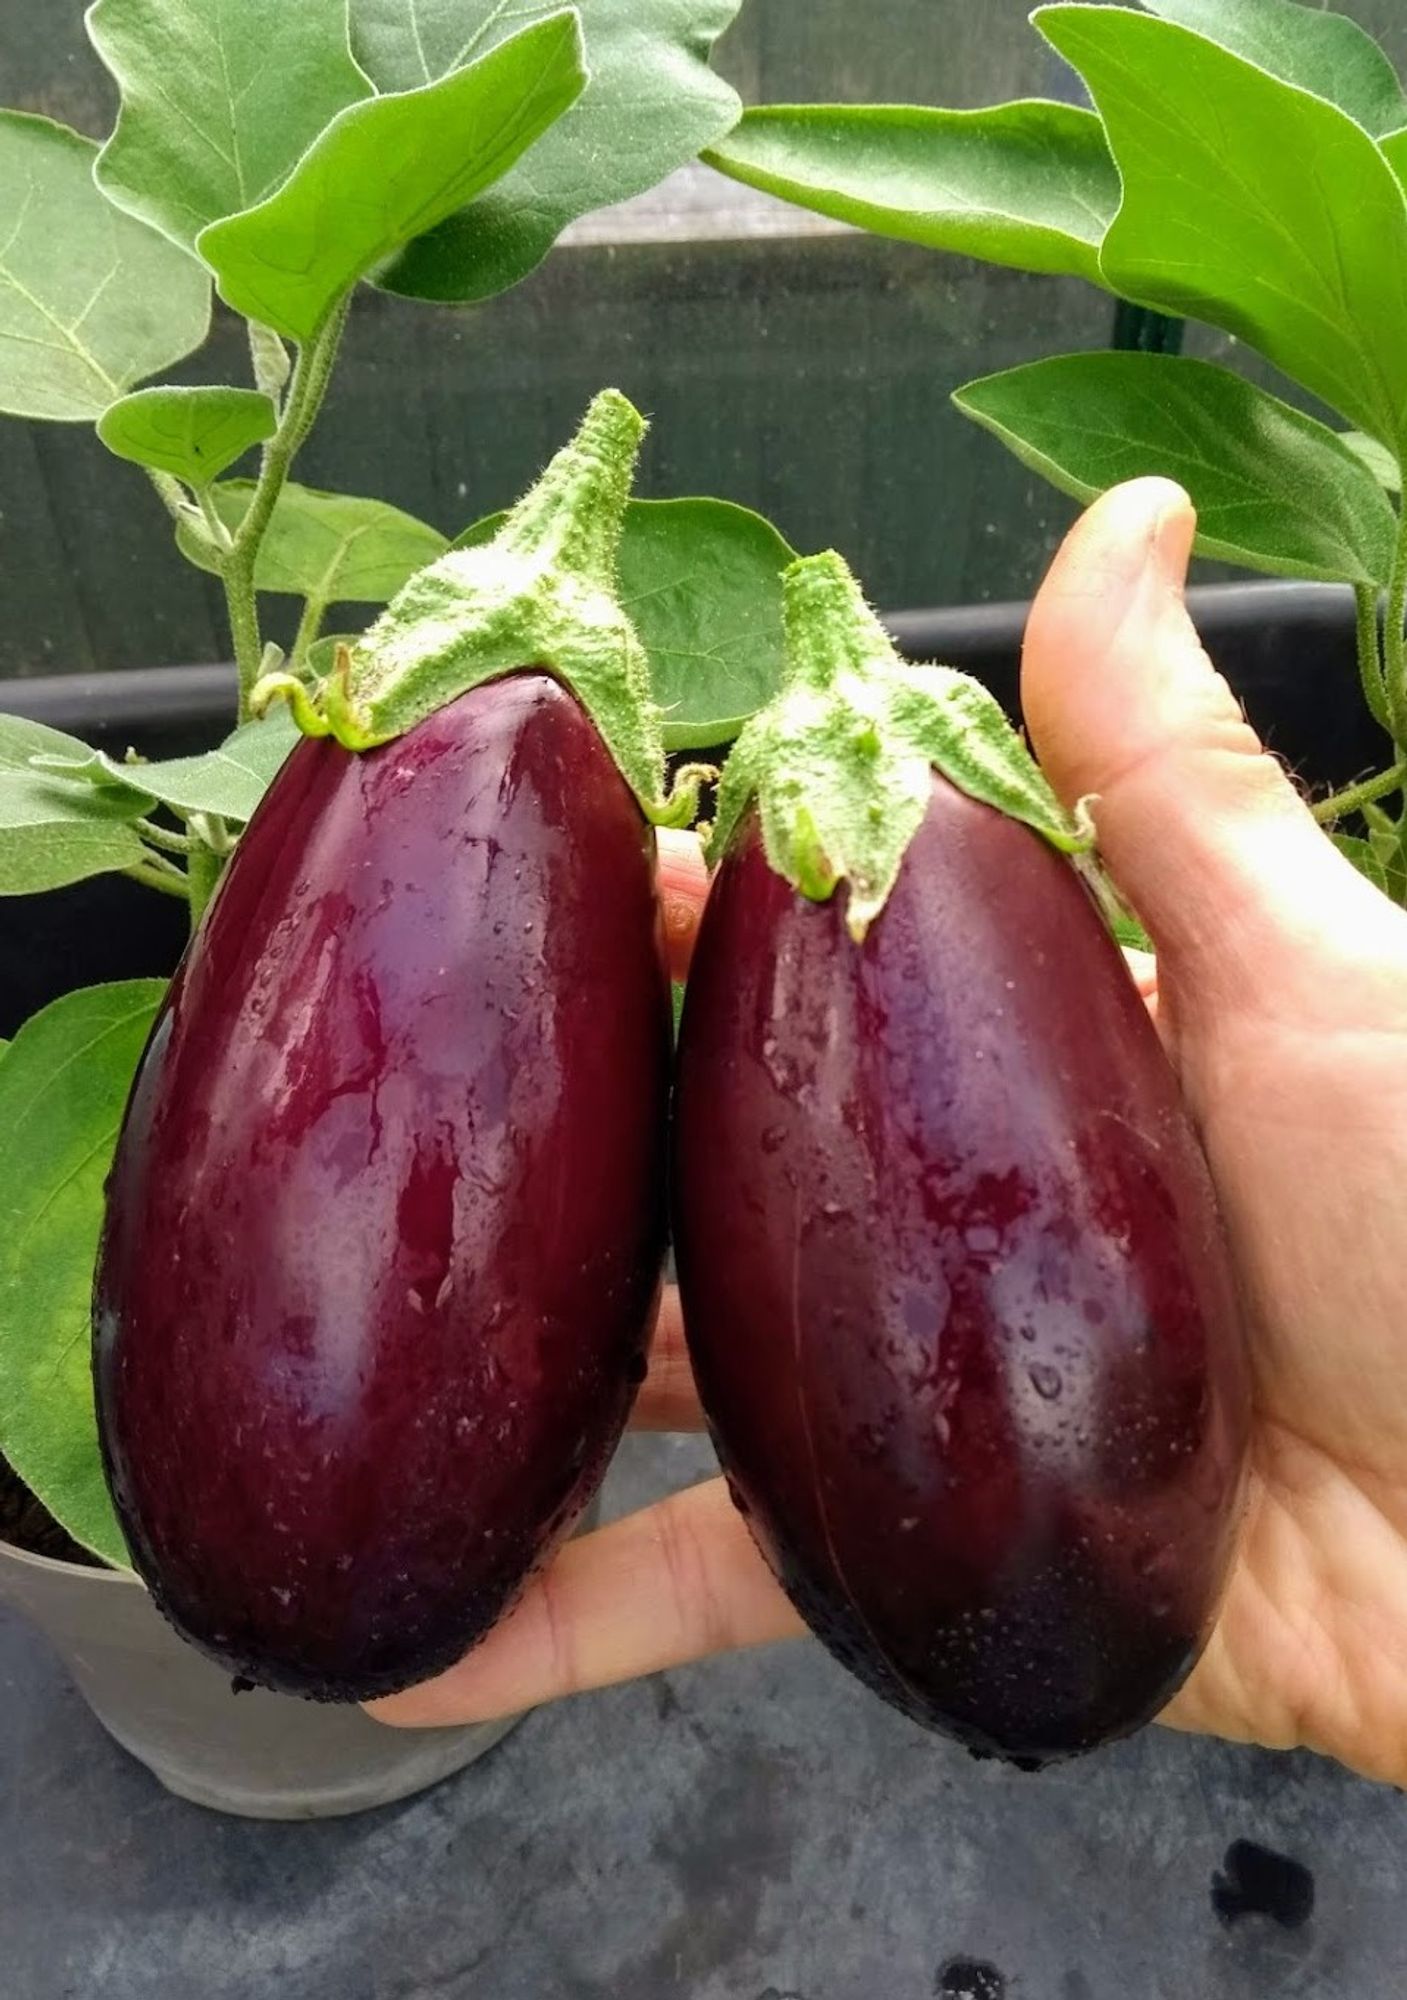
pixel 54 832
pixel 331 546
pixel 55 829
pixel 219 101
pixel 387 170
pixel 1030 184
pixel 1321 52
pixel 1378 459
pixel 702 582
pixel 195 434
pixel 63 1089
pixel 1384 871
pixel 1249 204
pixel 90 300
pixel 1273 489
pixel 229 781
pixel 650 104
pixel 1394 151
pixel 21 741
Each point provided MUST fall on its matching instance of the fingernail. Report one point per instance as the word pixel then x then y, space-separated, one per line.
pixel 1170 545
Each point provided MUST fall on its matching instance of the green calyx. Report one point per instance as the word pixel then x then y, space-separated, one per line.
pixel 840 763
pixel 541 595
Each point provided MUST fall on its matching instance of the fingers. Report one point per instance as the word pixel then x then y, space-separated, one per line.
pixel 670 1584
pixel 683 881
pixel 1202 829
pixel 668 1400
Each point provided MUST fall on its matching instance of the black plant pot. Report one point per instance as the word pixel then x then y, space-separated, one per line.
pixel 1286 648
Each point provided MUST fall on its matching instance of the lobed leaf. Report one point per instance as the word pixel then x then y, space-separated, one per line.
pixel 1030 184
pixel 219 102
pixel 387 170
pixel 1250 204
pixel 650 104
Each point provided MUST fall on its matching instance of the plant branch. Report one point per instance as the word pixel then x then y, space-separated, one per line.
pixel 160 836
pixel 1395 640
pixel 305 395
pixel 309 628
pixel 211 831
pixel 206 867
pixel 159 874
pixel 1326 811
pixel 1370 659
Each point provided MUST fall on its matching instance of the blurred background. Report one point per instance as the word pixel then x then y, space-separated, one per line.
pixel 788 362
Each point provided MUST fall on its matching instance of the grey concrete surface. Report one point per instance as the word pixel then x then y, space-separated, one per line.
pixel 754 1829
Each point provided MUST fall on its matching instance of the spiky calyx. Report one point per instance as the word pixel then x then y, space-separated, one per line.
pixel 840 761
pixel 541 595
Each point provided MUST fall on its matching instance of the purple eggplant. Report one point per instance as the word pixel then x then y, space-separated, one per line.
pixel 954 1282
pixel 385 1224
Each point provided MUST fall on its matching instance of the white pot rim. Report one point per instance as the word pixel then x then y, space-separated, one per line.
pixel 123 1579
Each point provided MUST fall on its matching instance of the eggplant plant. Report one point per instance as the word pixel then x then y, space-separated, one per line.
pixel 282 158
pixel 1242 163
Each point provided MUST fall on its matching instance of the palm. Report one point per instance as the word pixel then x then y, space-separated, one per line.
pixel 1303 1107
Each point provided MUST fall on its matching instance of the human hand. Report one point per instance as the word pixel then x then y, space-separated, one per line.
pixel 1282 1000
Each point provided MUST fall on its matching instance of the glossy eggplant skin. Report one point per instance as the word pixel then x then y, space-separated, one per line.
pixel 955 1287
pixel 385 1222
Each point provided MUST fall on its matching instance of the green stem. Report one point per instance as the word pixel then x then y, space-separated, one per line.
pixel 211 831
pixel 160 836
pixel 1326 811
pixel 1395 640
pixel 1370 660
pixel 309 627
pixel 305 396
pixel 158 874
pixel 206 867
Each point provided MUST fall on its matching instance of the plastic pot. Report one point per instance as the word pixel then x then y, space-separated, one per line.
pixel 264 1756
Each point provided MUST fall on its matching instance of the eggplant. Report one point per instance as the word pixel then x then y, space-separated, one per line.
pixel 385 1223
pixel 954 1281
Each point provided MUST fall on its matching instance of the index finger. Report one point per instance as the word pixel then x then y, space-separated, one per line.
pixel 670 1584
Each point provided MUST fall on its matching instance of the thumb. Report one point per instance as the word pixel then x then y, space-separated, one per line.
pixel 1200 826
